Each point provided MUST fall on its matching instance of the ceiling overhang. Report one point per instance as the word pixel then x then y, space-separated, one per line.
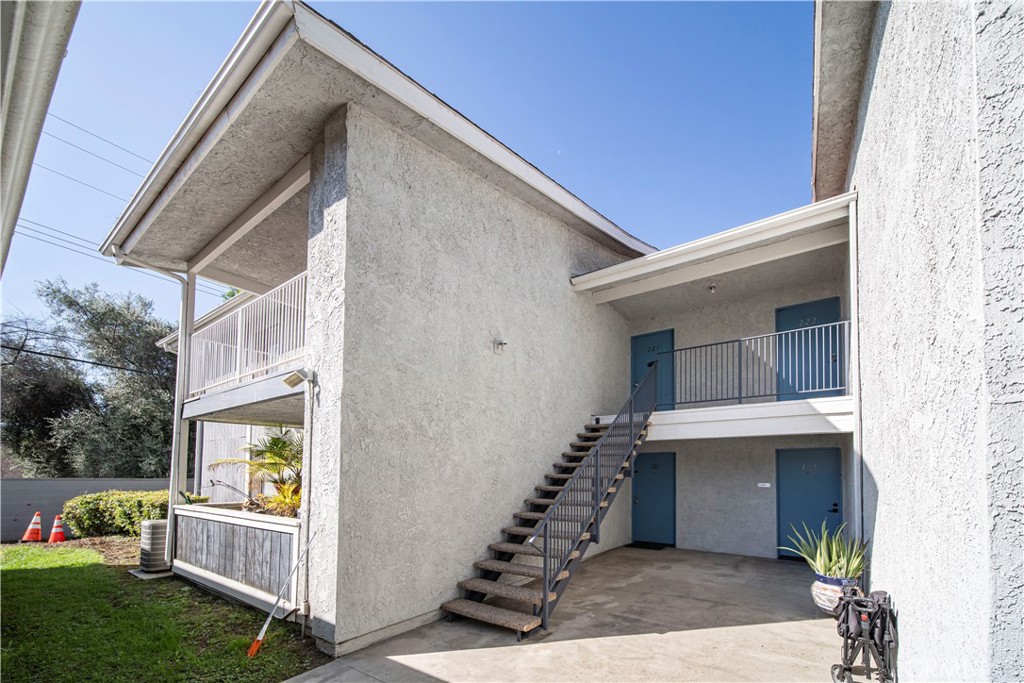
pixel 842 43
pixel 808 228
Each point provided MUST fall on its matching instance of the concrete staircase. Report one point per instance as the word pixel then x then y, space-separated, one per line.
pixel 498 595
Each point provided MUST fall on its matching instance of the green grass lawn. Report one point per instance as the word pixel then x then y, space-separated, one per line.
pixel 67 616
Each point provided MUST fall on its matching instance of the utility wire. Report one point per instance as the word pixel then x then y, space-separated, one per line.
pixel 212 285
pixel 80 360
pixel 84 243
pixel 44 333
pixel 200 288
pixel 98 137
pixel 101 158
pixel 80 182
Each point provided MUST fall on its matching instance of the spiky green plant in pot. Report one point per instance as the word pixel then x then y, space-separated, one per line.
pixel 837 561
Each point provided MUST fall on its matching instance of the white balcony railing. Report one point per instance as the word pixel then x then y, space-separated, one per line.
pixel 264 335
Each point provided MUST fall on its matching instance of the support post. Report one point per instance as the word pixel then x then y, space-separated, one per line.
pixel 546 582
pixel 739 370
pixel 597 492
pixel 179 434
pixel 197 464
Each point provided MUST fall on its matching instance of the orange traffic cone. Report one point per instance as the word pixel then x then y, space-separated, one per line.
pixel 57 534
pixel 34 533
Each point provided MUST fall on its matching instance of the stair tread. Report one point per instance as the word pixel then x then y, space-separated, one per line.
pixel 531 596
pixel 573 465
pixel 598 427
pixel 528 531
pixel 502 567
pixel 516 548
pixel 593 436
pixel 575 454
pixel 582 444
pixel 499 616
pixel 569 476
pixel 550 501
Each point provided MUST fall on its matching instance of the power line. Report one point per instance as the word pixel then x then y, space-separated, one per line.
pixel 99 137
pixel 101 158
pixel 45 333
pixel 85 243
pixel 80 182
pixel 80 360
pixel 199 288
pixel 93 246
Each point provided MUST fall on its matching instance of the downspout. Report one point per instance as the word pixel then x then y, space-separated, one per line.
pixel 179 427
pixel 858 440
pixel 307 493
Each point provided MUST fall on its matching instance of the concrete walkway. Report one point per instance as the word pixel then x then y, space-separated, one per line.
pixel 630 615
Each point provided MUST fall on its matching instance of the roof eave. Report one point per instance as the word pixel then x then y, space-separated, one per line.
pixel 270 19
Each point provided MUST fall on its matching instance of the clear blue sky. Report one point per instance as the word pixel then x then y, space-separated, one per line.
pixel 675 120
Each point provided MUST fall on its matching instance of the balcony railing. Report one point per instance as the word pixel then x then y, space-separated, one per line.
pixel 264 335
pixel 807 363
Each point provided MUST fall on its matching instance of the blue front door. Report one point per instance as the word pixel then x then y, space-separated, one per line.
pixel 809 487
pixel 654 498
pixel 809 362
pixel 655 346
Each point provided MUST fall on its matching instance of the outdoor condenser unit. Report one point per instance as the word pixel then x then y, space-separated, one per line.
pixel 153 543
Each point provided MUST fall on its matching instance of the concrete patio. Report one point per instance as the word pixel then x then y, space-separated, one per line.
pixel 630 615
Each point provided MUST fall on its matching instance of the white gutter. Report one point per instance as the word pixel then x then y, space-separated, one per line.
pixel 270 19
pixel 34 41
pixel 746 236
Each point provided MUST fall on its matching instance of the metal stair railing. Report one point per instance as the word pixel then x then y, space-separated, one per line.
pixel 578 505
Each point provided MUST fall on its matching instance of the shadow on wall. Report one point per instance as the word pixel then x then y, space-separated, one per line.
pixel 868 84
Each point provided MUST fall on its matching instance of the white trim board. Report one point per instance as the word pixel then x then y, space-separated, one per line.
pixel 833 415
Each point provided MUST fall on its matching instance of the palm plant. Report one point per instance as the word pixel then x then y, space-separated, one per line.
pixel 830 554
pixel 275 459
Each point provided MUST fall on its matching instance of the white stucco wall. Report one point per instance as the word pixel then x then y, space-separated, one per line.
pixel 719 506
pixel 937 164
pixel 438 438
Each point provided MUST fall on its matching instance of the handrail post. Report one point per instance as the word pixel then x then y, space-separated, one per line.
pixel 546 583
pixel 739 369
pixel 597 487
pixel 632 436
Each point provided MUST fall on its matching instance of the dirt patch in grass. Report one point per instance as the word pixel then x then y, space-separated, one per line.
pixel 116 550
pixel 71 612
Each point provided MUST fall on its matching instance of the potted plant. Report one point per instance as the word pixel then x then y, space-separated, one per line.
pixel 837 562
pixel 275 459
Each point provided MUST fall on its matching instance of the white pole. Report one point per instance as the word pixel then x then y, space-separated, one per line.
pixel 179 436
pixel 853 374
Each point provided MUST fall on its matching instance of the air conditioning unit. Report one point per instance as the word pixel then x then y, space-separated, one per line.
pixel 153 543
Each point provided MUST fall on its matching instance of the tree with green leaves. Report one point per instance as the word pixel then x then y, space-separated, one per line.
pixel 124 429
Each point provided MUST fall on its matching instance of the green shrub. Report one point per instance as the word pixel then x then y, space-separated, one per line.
pixel 115 513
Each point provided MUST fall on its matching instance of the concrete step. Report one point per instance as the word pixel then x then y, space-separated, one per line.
pixel 499 616
pixel 516 549
pixel 531 596
pixel 558 489
pixel 515 568
pixel 526 532
pixel 550 501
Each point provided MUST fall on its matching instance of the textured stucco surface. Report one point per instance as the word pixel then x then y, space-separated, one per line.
pixel 999 58
pixel 719 506
pixel 937 167
pixel 325 350
pixel 438 439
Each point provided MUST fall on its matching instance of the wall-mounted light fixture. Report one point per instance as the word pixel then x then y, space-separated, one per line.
pixel 498 344
pixel 712 287
pixel 295 377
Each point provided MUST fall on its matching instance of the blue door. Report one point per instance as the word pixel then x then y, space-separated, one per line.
pixel 655 346
pixel 809 487
pixel 654 498
pixel 809 362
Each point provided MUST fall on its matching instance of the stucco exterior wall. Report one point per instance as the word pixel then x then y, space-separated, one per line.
pixel 719 506
pixel 439 436
pixel 937 167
